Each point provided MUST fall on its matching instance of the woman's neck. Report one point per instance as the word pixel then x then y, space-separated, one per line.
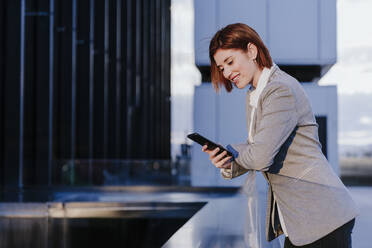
pixel 256 77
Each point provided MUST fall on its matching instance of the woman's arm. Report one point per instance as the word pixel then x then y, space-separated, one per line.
pixel 229 168
pixel 235 170
pixel 279 118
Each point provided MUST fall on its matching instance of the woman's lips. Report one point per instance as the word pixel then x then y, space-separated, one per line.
pixel 235 78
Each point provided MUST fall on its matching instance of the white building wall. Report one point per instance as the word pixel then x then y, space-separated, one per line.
pixel 323 101
pixel 297 32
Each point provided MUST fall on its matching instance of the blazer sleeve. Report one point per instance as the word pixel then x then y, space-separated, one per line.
pixel 278 120
pixel 234 171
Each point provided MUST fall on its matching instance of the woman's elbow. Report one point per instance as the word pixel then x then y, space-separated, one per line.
pixel 261 166
pixel 258 163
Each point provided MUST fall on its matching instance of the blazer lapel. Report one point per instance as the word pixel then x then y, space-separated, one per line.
pixel 255 120
pixel 248 111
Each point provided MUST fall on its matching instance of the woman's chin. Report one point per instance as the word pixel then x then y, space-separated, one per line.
pixel 240 86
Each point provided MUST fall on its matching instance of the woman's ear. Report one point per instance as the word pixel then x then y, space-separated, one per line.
pixel 252 50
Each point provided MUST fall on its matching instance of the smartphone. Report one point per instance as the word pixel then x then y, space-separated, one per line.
pixel 204 141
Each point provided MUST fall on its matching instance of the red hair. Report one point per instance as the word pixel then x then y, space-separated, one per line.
pixel 236 36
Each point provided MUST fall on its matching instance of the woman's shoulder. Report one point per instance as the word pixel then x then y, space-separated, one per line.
pixel 280 81
pixel 277 87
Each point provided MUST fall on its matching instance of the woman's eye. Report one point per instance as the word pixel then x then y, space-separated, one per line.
pixel 230 62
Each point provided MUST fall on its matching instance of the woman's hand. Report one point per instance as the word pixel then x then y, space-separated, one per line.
pixel 220 161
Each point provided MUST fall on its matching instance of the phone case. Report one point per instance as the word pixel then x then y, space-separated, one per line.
pixel 204 141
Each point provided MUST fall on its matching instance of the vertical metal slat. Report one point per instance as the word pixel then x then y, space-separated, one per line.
pixel 129 80
pixel 51 89
pixel 21 105
pixel 91 87
pixel 105 81
pixel 145 78
pixel 138 78
pixel 73 82
pixel 118 79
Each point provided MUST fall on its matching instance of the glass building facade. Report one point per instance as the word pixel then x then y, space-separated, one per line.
pixel 85 85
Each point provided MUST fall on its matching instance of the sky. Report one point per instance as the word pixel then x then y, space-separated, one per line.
pixel 352 73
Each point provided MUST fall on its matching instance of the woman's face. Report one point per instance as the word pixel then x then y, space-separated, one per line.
pixel 238 66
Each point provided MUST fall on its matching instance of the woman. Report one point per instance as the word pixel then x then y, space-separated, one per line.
pixel 306 200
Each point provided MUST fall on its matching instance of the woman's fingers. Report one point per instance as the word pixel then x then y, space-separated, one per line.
pixel 217 158
pixel 210 152
pixel 220 161
pixel 205 148
pixel 213 157
pixel 227 164
pixel 223 163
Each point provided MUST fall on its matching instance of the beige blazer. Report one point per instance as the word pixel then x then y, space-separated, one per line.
pixel 286 149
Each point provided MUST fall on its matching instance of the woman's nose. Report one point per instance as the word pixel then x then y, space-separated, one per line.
pixel 227 73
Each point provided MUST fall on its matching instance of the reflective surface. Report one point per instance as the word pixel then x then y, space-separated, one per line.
pixel 219 224
pixel 101 217
pixel 91 224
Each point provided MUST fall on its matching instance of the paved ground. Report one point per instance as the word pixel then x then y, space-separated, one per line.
pixel 362 235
